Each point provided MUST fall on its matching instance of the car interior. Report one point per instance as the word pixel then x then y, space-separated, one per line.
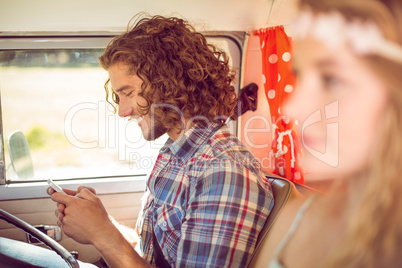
pixel 56 124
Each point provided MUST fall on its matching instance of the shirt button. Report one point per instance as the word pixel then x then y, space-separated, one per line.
pixel 164 224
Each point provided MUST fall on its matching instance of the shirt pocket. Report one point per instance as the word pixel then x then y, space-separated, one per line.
pixel 169 218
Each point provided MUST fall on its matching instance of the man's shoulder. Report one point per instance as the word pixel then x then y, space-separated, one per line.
pixel 223 139
pixel 223 152
pixel 225 144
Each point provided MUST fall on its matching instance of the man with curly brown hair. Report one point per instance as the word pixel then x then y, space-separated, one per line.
pixel 206 199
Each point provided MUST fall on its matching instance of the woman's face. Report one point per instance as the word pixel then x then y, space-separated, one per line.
pixel 338 105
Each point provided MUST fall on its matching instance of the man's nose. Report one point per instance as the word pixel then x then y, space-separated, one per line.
pixel 125 109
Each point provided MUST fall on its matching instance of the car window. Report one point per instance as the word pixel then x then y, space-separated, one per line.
pixel 53 94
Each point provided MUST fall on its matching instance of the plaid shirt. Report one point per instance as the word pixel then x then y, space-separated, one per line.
pixel 207 201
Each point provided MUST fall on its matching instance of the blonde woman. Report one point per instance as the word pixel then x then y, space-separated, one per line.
pixel 348 104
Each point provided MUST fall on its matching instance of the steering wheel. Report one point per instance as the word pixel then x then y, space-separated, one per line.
pixel 67 257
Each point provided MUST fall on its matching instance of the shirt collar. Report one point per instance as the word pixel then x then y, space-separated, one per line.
pixel 185 145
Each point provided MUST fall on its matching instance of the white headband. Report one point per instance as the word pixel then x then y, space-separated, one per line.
pixel 333 30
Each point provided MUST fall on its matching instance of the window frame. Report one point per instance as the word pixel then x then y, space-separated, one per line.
pixel 2 156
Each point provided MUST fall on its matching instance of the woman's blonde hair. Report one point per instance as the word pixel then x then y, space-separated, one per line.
pixel 373 235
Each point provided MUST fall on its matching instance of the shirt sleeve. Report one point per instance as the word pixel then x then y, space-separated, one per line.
pixel 226 211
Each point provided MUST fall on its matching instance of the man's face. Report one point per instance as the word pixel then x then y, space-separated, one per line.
pixel 127 86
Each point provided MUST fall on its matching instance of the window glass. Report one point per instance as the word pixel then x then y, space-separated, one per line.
pixel 56 98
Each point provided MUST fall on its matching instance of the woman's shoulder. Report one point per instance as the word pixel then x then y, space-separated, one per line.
pixel 281 227
pixel 303 222
pixel 287 216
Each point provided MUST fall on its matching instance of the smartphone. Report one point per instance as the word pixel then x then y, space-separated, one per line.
pixel 55 187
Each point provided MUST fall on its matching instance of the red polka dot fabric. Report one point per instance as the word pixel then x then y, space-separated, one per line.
pixel 279 81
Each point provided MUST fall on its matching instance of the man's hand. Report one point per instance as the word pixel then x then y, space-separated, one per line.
pixel 60 207
pixel 83 217
pixel 81 214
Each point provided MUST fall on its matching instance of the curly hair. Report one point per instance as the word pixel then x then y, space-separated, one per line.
pixel 178 68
